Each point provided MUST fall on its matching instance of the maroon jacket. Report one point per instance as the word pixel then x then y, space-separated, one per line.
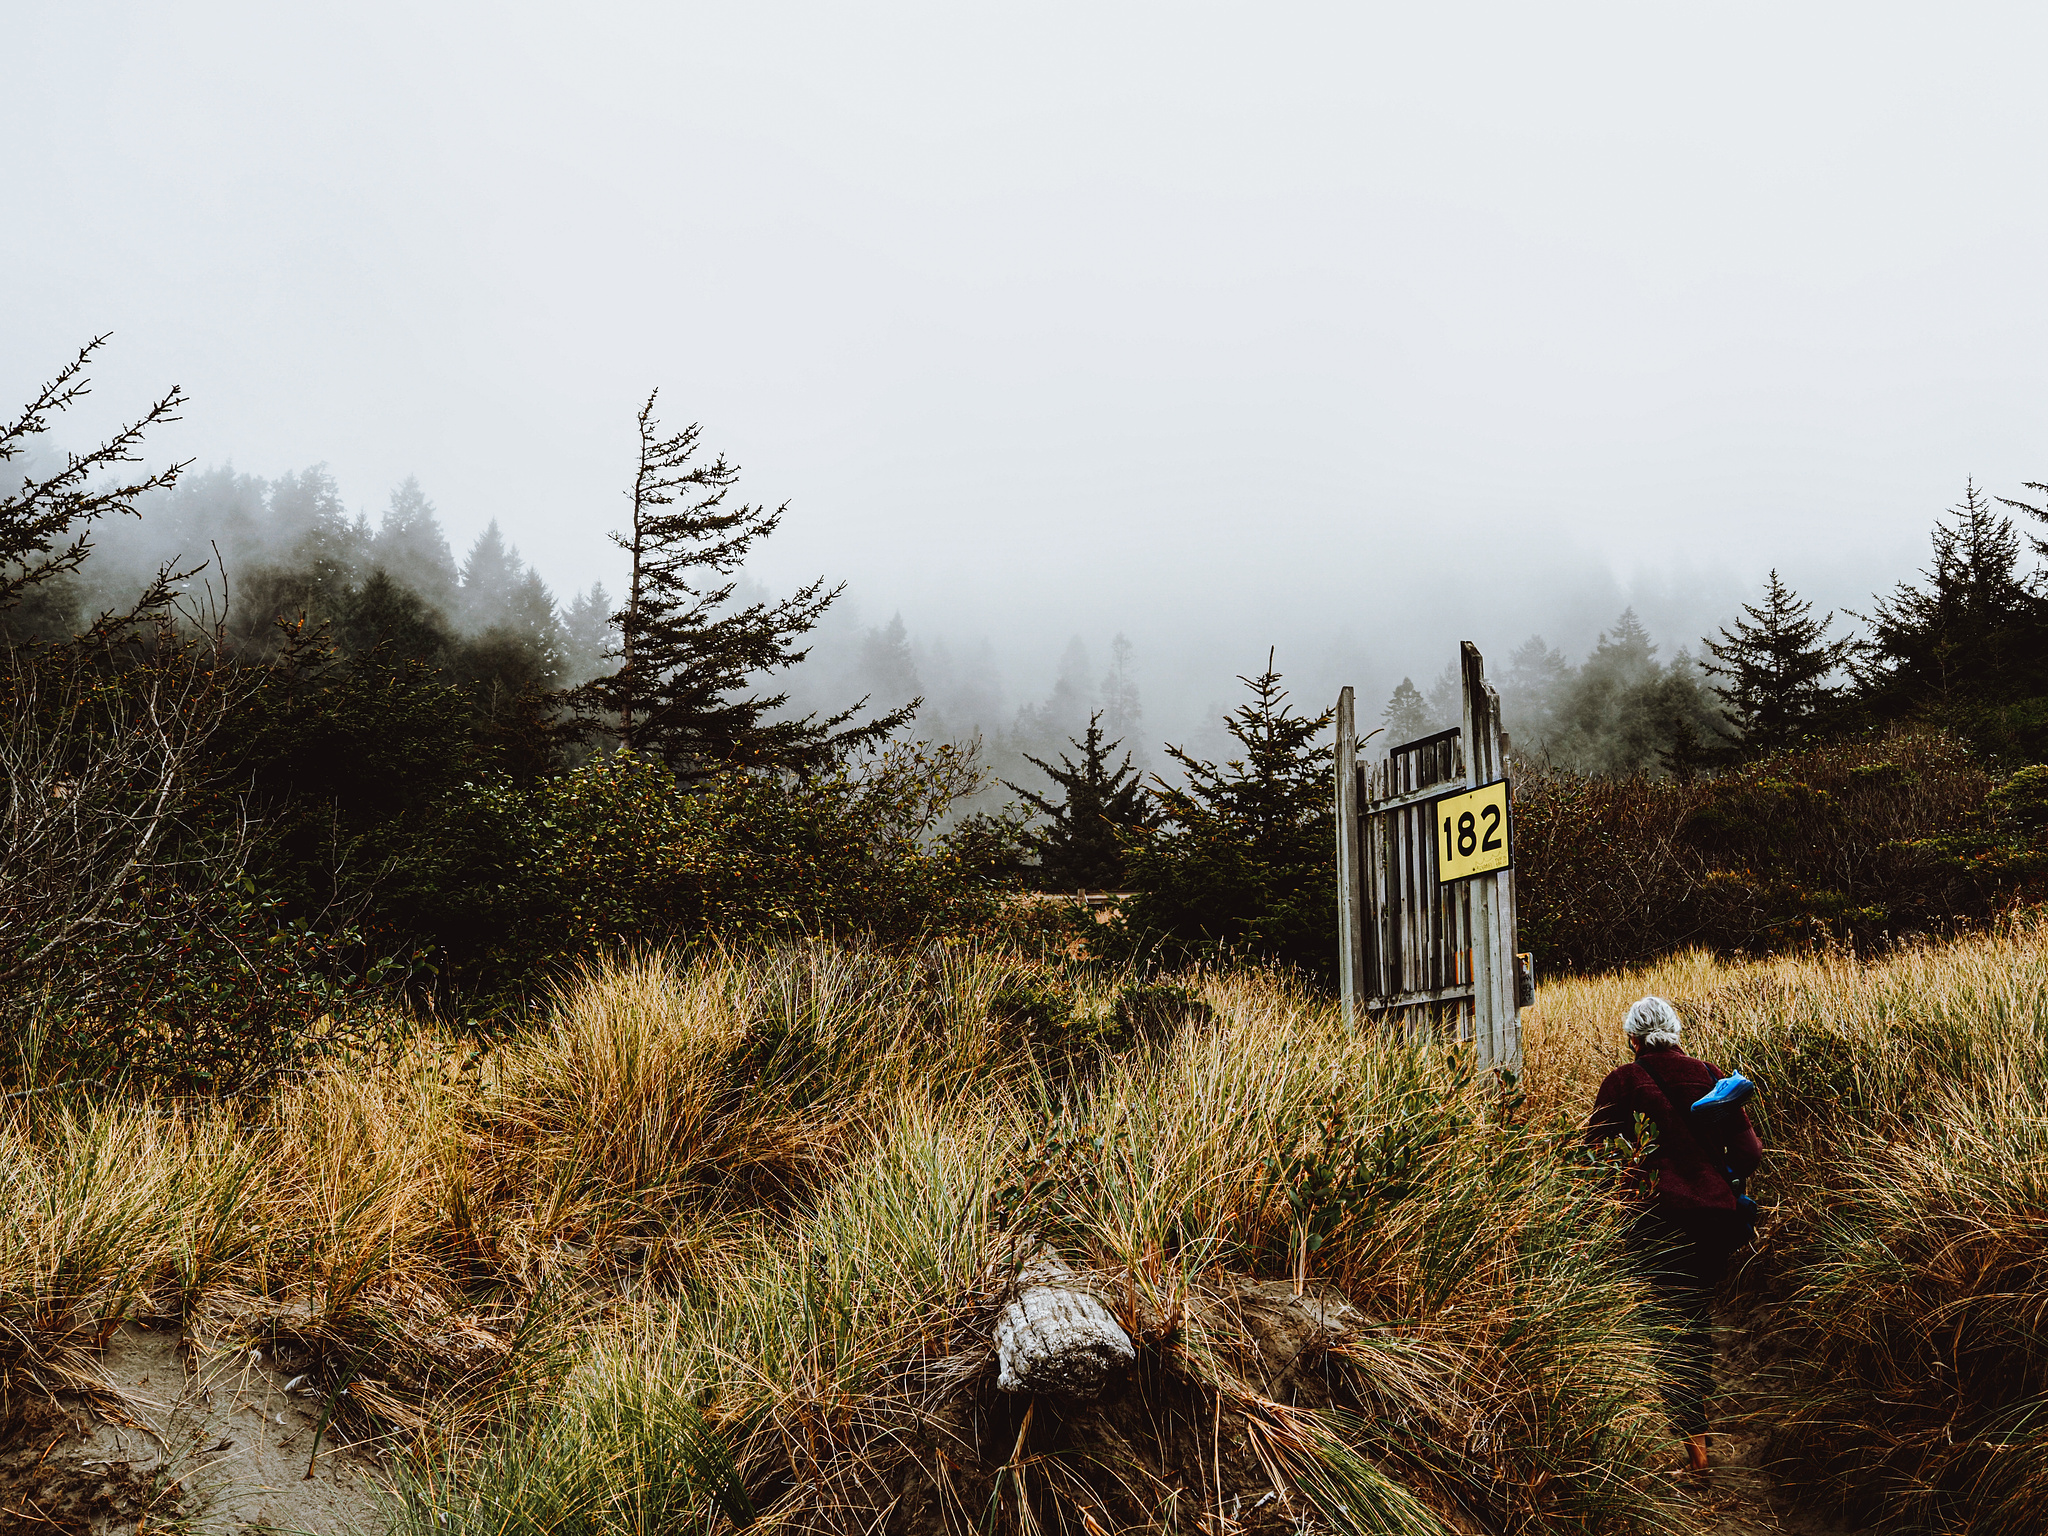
pixel 1689 1176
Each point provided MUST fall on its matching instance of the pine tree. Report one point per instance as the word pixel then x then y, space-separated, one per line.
pixel 685 655
pixel 491 573
pixel 2038 514
pixel 886 666
pixel 588 621
pixel 1612 718
pixel 1672 722
pixel 305 571
pixel 1119 691
pixel 1972 637
pixel 1775 663
pixel 46 520
pixel 1624 654
pixel 1081 845
pixel 1245 856
pixel 1406 717
pixel 1066 708
pixel 411 548
pixel 385 613
pixel 1536 682
pixel 315 538
pixel 1447 698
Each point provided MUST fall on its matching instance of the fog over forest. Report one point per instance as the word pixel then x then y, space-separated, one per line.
pixel 293 544
pixel 1352 332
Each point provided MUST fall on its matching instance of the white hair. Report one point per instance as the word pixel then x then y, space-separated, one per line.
pixel 1653 1021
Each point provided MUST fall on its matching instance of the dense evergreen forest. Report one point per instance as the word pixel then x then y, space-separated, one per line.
pixel 264 757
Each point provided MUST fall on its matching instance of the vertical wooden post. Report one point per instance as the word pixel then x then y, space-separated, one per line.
pixel 1350 894
pixel 1496 1021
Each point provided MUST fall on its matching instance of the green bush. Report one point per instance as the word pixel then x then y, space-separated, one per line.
pixel 210 991
pixel 1856 842
pixel 616 852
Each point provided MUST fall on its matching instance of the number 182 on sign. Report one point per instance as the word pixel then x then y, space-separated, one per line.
pixel 1472 833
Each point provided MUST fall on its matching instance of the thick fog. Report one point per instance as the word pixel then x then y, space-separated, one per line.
pixel 1097 349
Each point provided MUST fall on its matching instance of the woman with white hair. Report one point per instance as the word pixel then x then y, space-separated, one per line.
pixel 1688 1222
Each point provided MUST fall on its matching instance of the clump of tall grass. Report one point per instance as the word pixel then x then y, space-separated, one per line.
pixel 400 1207
pixel 100 1209
pixel 1918 1302
pixel 832 1364
pixel 722 1237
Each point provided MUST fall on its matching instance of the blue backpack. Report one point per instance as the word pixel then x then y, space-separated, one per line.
pixel 1720 1102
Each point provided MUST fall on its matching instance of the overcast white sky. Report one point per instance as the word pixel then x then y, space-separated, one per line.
pixel 1221 325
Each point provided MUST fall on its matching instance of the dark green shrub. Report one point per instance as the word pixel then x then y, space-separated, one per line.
pixel 1244 859
pixel 2021 804
pixel 1152 1013
pixel 208 991
pixel 1857 842
pixel 1037 1008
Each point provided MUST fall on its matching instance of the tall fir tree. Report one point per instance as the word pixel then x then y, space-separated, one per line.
pixel 1406 717
pixel 1244 856
pixel 2028 509
pixel 1537 679
pixel 311 558
pixel 312 533
pixel 887 667
pixel 1081 844
pixel 1974 637
pixel 1066 709
pixel 1447 698
pixel 384 613
pixel 1624 654
pixel 588 624
pixel 686 655
pixel 491 573
pixel 411 549
pixel 1122 710
pixel 1619 713
pixel 1775 664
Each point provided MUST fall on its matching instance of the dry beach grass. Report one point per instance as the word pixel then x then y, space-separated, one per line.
pixel 719 1240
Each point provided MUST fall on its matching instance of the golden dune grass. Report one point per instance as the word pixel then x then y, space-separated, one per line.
pixel 809 1144
pixel 1987 982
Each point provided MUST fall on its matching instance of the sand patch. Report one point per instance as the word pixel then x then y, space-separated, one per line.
pixel 203 1439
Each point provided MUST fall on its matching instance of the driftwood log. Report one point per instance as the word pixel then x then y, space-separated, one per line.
pixel 1057 1337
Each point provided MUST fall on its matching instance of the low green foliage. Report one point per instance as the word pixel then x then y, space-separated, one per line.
pixel 207 992
pixel 616 852
pixel 1859 842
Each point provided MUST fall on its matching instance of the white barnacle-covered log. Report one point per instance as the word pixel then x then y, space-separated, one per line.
pixel 1060 1340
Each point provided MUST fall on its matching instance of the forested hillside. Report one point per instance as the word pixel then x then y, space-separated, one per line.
pixel 243 723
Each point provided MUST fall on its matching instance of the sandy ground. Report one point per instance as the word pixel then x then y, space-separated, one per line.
pixel 215 1442
pixel 1742 1495
pixel 208 1441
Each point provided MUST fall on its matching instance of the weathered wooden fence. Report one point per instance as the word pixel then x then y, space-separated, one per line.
pixel 1414 952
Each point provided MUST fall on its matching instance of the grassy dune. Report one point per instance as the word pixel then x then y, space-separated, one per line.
pixel 721 1239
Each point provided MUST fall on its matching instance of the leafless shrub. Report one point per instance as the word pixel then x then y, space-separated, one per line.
pixel 102 746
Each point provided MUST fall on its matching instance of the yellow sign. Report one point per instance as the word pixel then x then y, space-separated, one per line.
pixel 1473 833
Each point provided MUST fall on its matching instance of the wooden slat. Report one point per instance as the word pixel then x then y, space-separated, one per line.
pixel 1350 898
pixel 1418 999
pixel 1402 802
